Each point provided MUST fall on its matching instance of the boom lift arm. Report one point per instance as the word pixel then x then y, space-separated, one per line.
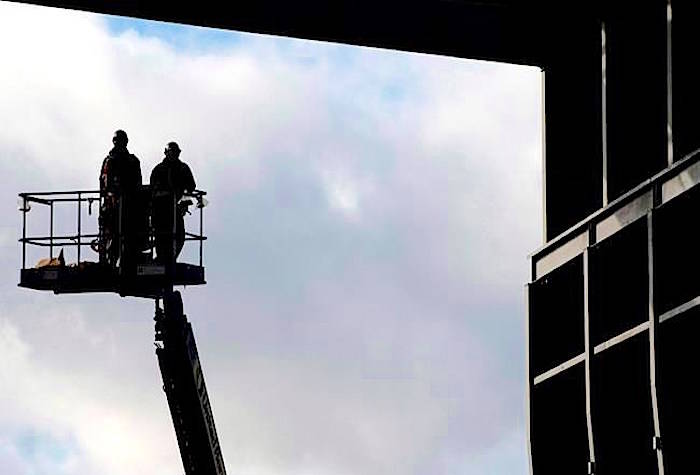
pixel 183 383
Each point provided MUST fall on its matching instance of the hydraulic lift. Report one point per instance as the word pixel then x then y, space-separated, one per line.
pixel 139 276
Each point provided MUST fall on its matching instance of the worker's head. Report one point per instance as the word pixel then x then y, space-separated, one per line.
pixel 120 139
pixel 172 150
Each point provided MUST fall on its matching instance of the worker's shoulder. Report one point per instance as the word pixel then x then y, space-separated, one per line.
pixel 160 166
pixel 185 166
pixel 106 165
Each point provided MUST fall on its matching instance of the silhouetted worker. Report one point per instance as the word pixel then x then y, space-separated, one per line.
pixel 120 179
pixel 170 179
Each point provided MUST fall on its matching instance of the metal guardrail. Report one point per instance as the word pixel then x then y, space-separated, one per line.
pixel 80 239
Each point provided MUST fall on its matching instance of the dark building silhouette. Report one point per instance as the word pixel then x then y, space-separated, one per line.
pixel 613 298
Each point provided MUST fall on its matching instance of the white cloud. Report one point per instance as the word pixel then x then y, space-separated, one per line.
pixel 363 312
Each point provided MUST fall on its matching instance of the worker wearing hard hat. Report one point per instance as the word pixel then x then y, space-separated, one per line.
pixel 120 178
pixel 170 180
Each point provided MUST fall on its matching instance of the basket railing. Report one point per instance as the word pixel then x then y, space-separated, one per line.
pixel 79 239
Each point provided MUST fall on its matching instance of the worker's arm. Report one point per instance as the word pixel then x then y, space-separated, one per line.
pixel 105 182
pixel 189 183
pixel 137 172
pixel 154 174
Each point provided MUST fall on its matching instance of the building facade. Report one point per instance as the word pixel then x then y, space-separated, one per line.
pixel 614 299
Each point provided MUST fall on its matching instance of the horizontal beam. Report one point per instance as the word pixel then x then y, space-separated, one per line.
pixel 671 182
pixel 505 31
pixel 621 337
pixel 680 309
pixel 558 369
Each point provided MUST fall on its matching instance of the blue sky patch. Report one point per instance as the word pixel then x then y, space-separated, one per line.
pixel 34 446
pixel 181 37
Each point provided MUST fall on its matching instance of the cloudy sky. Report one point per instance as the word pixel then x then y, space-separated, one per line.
pixel 370 216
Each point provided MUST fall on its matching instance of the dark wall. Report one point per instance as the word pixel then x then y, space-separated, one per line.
pixel 630 112
pixel 557 334
pixel 509 31
pixel 686 92
pixel 618 266
pixel 621 410
pixel 636 93
pixel 559 433
pixel 678 395
pixel 573 130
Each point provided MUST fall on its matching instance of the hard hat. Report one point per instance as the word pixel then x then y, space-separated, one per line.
pixel 120 138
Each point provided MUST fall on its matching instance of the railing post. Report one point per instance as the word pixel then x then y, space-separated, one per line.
pixel 120 234
pixel 151 229
pixel 24 232
pixel 79 224
pixel 173 246
pixel 51 233
pixel 201 228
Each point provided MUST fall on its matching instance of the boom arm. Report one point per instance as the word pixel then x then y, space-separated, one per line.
pixel 183 383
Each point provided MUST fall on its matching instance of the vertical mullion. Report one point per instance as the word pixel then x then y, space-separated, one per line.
pixel 588 353
pixel 653 326
pixel 604 111
pixel 669 83
pixel 528 376
pixel 543 92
